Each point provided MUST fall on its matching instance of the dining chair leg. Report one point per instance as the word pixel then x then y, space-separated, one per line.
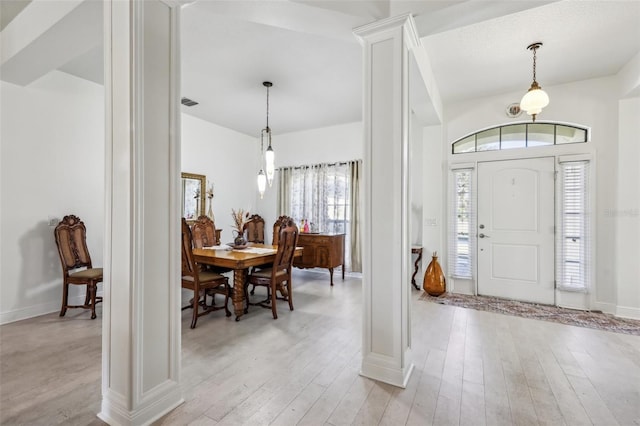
pixel 246 298
pixel 65 293
pixel 273 302
pixel 290 294
pixel 87 297
pixel 196 302
pixel 91 288
pixel 226 300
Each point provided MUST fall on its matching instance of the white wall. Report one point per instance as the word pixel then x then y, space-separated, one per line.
pixel 433 185
pixel 415 187
pixel 415 183
pixel 324 145
pixel 591 103
pixel 229 160
pixel 52 164
pixel 626 215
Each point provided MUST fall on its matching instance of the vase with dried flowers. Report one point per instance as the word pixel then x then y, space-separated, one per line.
pixel 210 198
pixel 240 218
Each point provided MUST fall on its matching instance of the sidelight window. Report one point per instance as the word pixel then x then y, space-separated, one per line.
pixel 573 240
pixel 460 242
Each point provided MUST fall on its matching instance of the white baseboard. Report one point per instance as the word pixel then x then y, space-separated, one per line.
pixel 461 286
pixel 628 312
pixel 573 300
pixel 37 310
pixel 607 308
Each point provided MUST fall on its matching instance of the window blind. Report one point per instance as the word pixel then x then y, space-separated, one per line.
pixel 461 243
pixel 574 237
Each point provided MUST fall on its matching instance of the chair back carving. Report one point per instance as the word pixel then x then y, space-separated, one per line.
pixel 71 239
pixel 287 241
pixel 188 263
pixel 254 229
pixel 281 222
pixel 203 232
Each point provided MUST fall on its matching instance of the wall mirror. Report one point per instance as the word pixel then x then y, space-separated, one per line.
pixel 193 195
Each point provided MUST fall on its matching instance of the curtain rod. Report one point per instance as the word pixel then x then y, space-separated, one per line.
pixel 338 163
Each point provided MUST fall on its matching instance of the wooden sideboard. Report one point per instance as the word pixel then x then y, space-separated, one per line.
pixel 321 251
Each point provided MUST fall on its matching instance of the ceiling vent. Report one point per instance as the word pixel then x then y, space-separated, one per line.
pixel 188 102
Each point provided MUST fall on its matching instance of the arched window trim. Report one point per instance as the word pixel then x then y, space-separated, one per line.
pixel 587 131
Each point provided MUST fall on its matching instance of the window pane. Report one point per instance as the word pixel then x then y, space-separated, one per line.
pixel 460 251
pixel 513 136
pixel 489 140
pixel 568 134
pixel 467 144
pixel 540 134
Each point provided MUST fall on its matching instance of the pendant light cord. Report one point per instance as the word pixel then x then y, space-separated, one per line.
pixel 535 49
pixel 268 109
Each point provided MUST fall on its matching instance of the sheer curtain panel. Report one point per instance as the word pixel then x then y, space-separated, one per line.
pixel 327 196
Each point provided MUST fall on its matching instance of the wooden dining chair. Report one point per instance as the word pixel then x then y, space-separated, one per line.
pixel 204 232
pixel 71 239
pixel 201 282
pixel 279 272
pixel 254 229
pixel 280 223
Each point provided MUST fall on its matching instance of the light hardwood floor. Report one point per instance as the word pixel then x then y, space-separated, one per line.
pixel 471 368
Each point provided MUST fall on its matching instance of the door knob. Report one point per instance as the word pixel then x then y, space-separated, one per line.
pixel 483 236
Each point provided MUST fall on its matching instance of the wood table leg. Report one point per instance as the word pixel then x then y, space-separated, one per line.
pixel 239 277
pixel 331 275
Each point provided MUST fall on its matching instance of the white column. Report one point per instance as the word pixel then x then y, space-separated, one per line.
pixel 141 312
pixel 387 246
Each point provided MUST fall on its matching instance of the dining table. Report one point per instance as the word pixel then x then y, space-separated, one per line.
pixel 239 260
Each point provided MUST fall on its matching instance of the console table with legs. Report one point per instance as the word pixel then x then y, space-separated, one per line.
pixel 416 250
pixel 321 251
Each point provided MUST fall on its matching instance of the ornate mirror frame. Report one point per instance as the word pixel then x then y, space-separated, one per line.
pixel 193 195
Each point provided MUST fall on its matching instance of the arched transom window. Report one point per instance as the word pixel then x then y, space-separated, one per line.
pixel 521 135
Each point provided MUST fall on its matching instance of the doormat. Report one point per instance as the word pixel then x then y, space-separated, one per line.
pixel 589 319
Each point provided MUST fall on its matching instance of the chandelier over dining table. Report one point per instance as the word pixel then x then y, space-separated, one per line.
pixel 268 156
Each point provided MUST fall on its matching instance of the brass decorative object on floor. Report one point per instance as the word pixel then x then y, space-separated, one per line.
pixel 434 281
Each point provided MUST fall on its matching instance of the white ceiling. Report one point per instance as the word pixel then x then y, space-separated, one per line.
pixel 307 49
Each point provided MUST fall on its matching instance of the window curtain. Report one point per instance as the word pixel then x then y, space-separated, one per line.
pixel 327 196
pixel 354 223
pixel 284 191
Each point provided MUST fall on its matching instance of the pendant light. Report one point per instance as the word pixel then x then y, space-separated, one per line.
pixel 262 183
pixel 535 99
pixel 266 132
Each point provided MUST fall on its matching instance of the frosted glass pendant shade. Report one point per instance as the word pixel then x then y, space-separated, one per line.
pixel 534 100
pixel 262 183
pixel 269 157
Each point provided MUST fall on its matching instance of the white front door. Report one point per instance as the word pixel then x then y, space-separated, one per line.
pixel 516 229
